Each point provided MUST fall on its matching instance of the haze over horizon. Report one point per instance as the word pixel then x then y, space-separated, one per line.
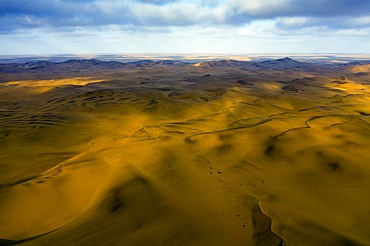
pixel 188 26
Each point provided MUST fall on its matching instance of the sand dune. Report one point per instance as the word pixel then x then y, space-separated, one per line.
pixel 188 156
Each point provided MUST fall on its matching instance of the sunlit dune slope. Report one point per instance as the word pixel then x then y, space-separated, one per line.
pixel 190 156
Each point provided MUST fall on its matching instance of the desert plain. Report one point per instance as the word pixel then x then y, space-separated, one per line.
pixel 225 152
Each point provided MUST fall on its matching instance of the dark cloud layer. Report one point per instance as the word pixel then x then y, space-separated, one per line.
pixel 28 14
pixel 312 8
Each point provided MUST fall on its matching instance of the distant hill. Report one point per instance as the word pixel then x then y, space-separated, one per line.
pixel 284 63
pixel 94 63
pixel 222 63
pixel 83 67
pixel 85 63
pixel 275 64
pixel 357 63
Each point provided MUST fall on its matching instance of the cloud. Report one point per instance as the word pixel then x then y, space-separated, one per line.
pixel 334 23
pixel 363 21
pixel 178 14
pixel 57 13
pixel 261 8
pixel 308 8
pixel 246 32
pixel 299 22
pixel 247 18
pixel 20 14
pixel 158 2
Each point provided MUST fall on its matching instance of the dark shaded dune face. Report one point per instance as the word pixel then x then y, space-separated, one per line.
pixel 262 233
pixel 133 194
pixel 222 153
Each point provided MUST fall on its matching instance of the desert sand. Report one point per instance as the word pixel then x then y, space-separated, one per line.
pixel 213 153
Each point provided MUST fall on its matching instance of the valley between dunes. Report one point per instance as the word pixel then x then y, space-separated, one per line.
pixel 180 154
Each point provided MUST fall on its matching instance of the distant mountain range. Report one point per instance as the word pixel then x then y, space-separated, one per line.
pixel 76 67
pixel 88 63
pixel 85 63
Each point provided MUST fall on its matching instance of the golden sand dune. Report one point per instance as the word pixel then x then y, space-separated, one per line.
pixel 226 156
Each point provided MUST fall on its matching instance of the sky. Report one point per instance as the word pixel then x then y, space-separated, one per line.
pixel 184 26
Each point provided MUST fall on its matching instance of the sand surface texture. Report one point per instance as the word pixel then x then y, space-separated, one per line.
pixel 184 154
